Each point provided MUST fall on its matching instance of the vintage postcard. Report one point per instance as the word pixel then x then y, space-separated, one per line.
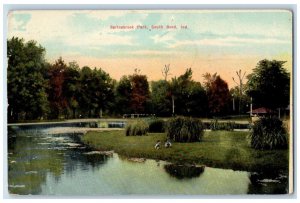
pixel 149 102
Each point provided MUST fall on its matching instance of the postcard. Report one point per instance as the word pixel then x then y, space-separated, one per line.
pixel 149 102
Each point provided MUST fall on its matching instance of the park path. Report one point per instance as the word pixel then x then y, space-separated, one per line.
pixel 61 130
pixel 66 121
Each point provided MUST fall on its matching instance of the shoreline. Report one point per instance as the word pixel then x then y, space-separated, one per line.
pixel 229 155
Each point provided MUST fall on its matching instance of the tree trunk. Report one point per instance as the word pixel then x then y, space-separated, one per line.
pixel 74 112
pixel 100 113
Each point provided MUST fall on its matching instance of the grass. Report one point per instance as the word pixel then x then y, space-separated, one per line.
pixel 221 149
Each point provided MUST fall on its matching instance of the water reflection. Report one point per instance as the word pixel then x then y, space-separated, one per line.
pixel 33 155
pixel 183 171
pixel 272 182
pixel 28 166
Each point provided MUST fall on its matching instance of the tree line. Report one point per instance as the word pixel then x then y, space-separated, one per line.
pixel 38 89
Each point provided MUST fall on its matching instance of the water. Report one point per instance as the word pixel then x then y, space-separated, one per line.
pixel 41 163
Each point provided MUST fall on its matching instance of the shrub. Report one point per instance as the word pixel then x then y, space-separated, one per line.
pixel 157 126
pixel 137 128
pixel 182 129
pixel 268 133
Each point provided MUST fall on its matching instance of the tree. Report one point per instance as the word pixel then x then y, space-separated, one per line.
pixel 103 93
pixel 180 92
pixel 217 93
pixel 196 103
pixel 241 101
pixel 269 85
pixel 27 98
pixel 165 71
pixel 160 97
pixel 140 94
pixel 56 91
pixel 71 86
pixel 123 96
pixel 189 96
pixel 85 102
pixel 96 91
pixel 240 87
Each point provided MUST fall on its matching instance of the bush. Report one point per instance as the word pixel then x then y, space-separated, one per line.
pixel 157 126
pixel 182 129
pixel 137 128
pixel 268 133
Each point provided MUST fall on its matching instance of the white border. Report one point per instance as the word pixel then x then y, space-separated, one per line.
pixel 106 4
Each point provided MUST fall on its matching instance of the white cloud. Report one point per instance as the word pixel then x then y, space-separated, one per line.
pixel 163 38
pixel 54 26
pixel 96 39
pixel 42 25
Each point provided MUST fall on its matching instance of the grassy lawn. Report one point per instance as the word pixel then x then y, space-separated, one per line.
pixel 222 149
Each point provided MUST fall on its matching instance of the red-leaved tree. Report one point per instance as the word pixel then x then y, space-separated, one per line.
pixel 140 92
pixel 57 99
pixel 217 93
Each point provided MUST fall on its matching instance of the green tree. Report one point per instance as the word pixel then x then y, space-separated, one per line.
pixel 189 96
pixel 27 98
pixel 239 101
pixel 103 86
pixel 179 91
pixel 161 98
pixel 71 87
pixel 269 85
pixel 85 93
pixel 196 103
pixel 95 92
pixel 123 96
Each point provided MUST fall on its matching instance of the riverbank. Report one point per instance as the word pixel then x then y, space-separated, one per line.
pixel 221 149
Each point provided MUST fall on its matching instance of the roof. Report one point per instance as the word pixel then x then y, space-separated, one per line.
pixel 261 110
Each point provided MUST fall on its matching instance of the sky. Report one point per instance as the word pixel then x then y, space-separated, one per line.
pixel 221 41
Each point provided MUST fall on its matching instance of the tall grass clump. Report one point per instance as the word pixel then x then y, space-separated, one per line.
pixel 181 129
pixel 157 126
pixel 137 128
pixel 268 133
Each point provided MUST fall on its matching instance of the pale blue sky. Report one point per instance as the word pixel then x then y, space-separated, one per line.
pixel 215 41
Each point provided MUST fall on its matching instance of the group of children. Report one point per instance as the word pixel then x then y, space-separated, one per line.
pixel 167 144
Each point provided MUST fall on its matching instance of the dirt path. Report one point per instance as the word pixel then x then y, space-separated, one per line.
pixel 60 130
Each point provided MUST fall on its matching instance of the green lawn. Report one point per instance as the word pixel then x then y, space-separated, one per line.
pixel 223 149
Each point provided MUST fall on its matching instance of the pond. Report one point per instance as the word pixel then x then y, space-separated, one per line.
pixel 41 163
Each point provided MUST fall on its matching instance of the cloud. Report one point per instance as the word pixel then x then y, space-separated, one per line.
pixel 52 30
pixel 20 21
pixel 42 25
pixel 163 38
pixel 88 33
pixel 96 39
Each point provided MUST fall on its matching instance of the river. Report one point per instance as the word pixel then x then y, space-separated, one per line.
pixel 42 163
